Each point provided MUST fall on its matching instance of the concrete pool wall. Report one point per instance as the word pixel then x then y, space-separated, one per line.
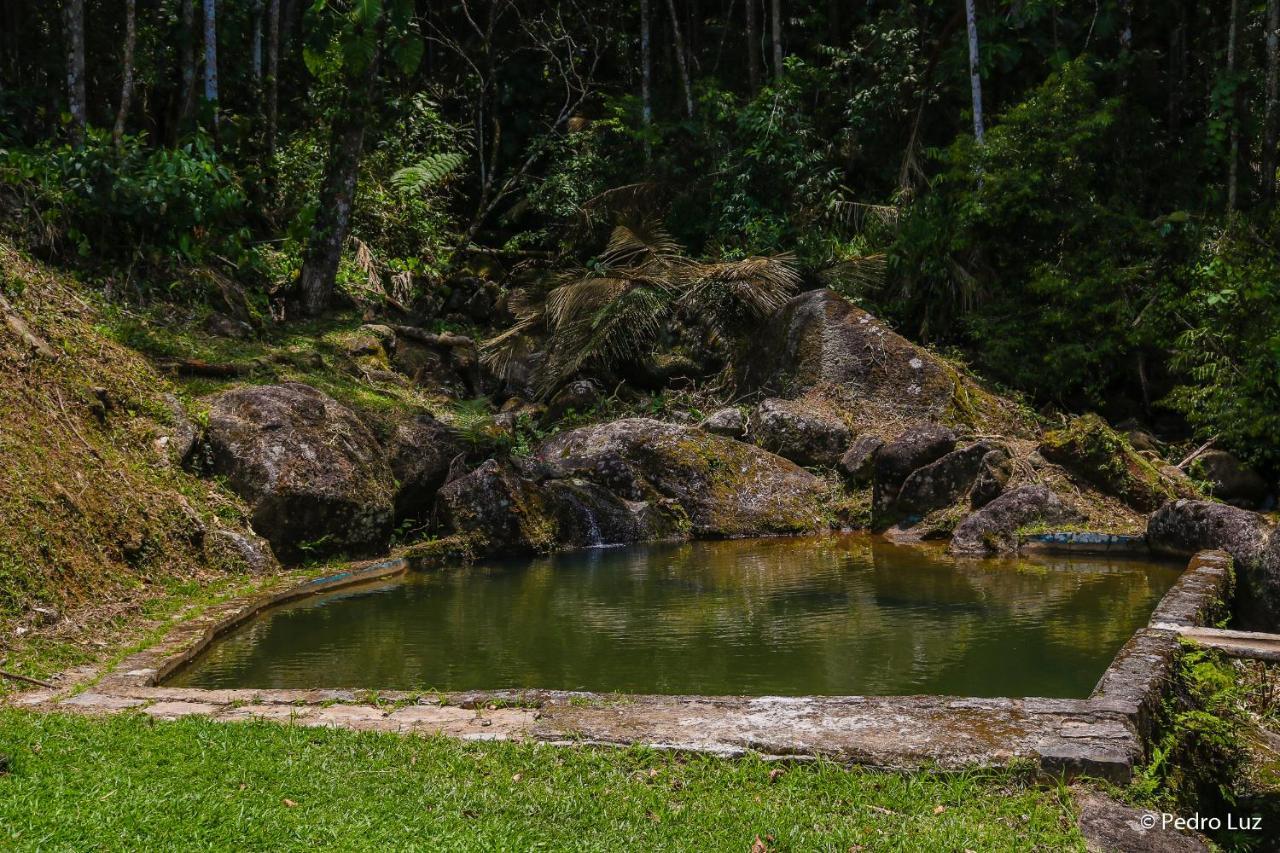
pixel 1105 735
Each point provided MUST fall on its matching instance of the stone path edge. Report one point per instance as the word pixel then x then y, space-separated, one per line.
pixel 1104 735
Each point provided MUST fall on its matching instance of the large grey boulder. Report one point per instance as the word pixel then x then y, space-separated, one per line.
pixel 730 422
pixel 313 474
pixel 630 481
pixel 913 449
pixel 420 451
pixel 1229 479
pixel 857 464
pixel 820 339
pixel 723 487
pixel 237 551
pixel 942 482
pixel 994 527
pixel 993 475
pixel 795 430
pixel 1181 528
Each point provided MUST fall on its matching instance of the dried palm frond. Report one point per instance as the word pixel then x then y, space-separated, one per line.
pixel 619 328
pixel 503 351
pixel 759 284
pixel 857 215
pixel 866 272
pixel 625 203
pixel 641 243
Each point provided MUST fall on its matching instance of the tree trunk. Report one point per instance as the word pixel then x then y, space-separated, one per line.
pixel 975 71
pixel 126 70
pixel 1271 110
pixel 255 52
pixel 776 16
pixel 273 76
pixel 338 191
pixel 646 77
pixel 211 56
pixel 753 45
pixel 1233 61
pixel 681 59
pixel 833 22
pixel 188 60
pixel 73 34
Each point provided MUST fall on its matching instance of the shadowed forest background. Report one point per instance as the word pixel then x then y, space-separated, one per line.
pixel 1076 198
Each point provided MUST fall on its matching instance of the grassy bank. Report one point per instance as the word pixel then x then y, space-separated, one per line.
pixel 128 783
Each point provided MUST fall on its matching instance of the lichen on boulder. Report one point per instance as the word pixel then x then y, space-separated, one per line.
pixel 314 476
pixel 724 487
pixel 994 528
pixel 944 481
pixel 894 463
pixel 799 430
pixel 1181 528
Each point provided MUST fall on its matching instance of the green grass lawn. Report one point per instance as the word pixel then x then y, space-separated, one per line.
pixel 126 782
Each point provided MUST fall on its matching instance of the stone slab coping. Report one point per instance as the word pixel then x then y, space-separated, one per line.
pixel 1083 542
pixel 1104 735
pixel 1252 645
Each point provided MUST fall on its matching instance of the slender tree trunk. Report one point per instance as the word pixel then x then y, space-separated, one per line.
pixel 329 232
pixel 1271 110
pixel 188 60
pixel 753 45
pixel 975 71
pixel 681 59
pixel 776 16
pixel 211 56
pixel 73 35
pixel 1233 62
pixel 126 70
pixel 273 75
pixel 1126 25
pixel 255 51
pixel 646 77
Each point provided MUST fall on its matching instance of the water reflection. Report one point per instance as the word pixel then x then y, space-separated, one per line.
pixel 833 615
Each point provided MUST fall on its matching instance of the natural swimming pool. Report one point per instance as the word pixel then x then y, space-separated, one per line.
pixel 838 615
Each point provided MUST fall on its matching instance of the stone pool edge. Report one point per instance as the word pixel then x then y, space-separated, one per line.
pixel 1104 735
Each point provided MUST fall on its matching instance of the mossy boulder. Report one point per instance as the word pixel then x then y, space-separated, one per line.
pixel 857 464
pixel 1183 527
pixel 944 481
pixel 799 431
pixel 820 339
pixel 315 478
pixel 421 450
pixel 1095 453
pixel 894 463
pixel 994 528
pixel 1229 479
pixel 723 487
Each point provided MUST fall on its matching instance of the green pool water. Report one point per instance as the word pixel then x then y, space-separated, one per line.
pixel 833 615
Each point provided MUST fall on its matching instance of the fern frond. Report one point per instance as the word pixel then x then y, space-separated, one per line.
pixel 427 173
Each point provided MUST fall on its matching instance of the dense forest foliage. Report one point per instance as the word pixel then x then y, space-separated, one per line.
pixel 1078 198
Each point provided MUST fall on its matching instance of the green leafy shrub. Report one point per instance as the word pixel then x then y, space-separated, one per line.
pixel 115 202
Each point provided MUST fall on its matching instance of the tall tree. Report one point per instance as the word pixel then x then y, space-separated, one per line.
pixel 73 36
pixel 362 36
pixel 187 58
pixel 255 48
pixel 681 58
pixel 1237 103
pixel 776 19
pixel 975 70
pixel 211 56
pixel 1271 108
pixel 273 75
pixel 126 70
pixel 646 76
pixel 753 44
